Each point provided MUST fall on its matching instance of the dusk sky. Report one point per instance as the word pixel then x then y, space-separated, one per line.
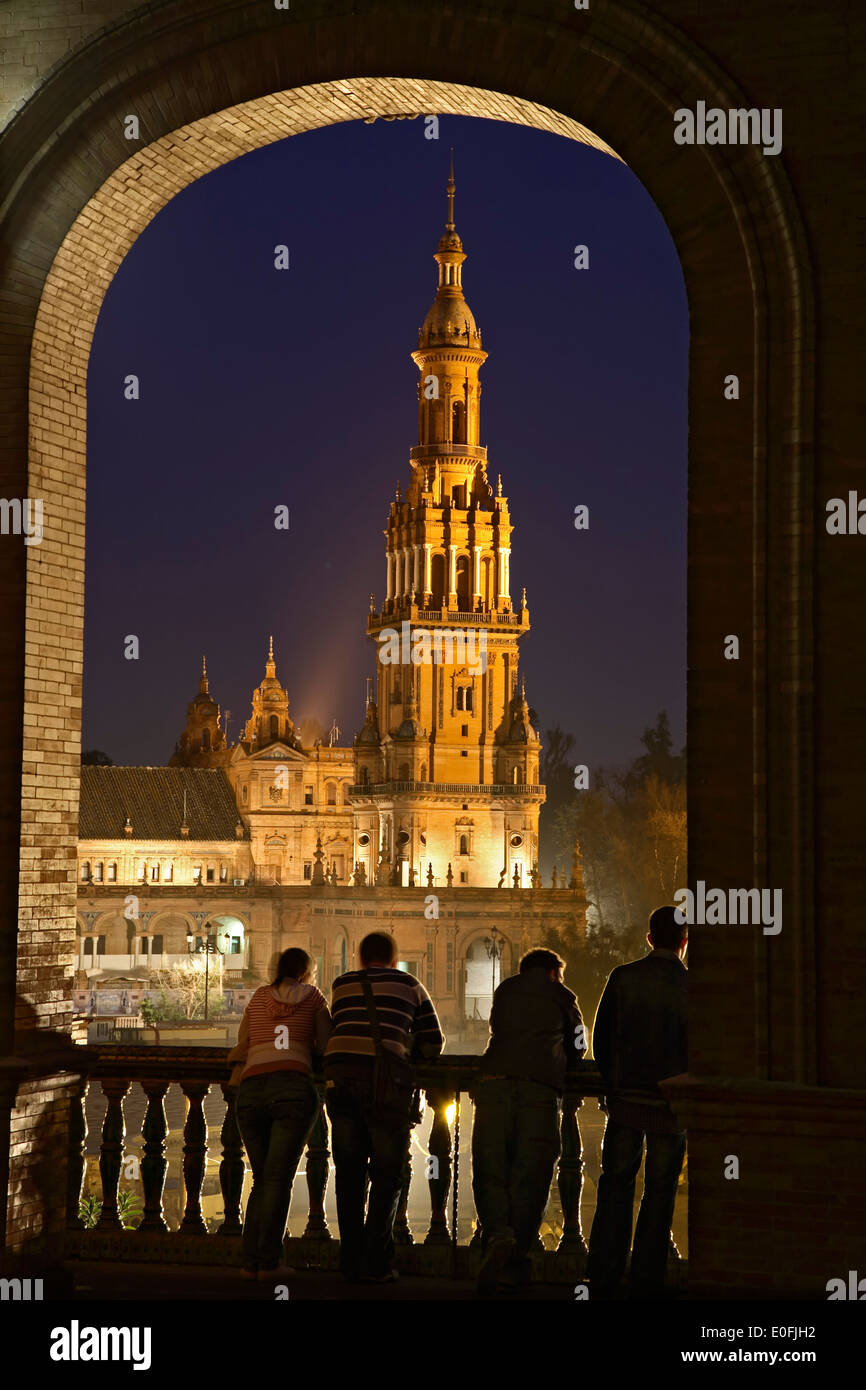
pixel 262 387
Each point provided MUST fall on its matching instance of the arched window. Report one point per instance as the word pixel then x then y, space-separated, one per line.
pixel 486 586
pixel 365 776
pixel 458 423
pixel 463 582
pixel 205 738
pixel 464 697
pixel 437 580
pixel 85 870
pixel 422 776
pixel 331 793
pixel 464 844
pixel 275 726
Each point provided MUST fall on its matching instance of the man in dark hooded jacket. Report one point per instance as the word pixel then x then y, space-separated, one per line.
pixel 537 1035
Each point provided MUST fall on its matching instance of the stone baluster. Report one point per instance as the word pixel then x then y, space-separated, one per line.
pixel 439 1168
pixel 231 1166
pixel 317 1178
pixel 194 1155
pixel 111 1151
pixel 154 1164
pixel 402 1230
pixel 76 1160
pixel 570 1178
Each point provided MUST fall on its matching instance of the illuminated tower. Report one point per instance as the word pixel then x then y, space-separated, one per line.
pixel 203 736
pixel 447 761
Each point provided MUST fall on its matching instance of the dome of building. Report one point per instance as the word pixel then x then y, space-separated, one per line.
pixel 449 320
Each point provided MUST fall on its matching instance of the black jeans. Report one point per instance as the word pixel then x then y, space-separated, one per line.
pixel 363 1134
pixel 515 1145
pixel 276 1113
pixel 611 1228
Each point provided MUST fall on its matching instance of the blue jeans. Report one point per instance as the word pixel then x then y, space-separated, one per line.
pixel 363 1134
pixel 611 1227
pixel 276 1113
pixel 515 1145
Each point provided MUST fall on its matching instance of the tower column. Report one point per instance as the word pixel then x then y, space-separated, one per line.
pixel 452 571
pixel 407 571
pixel 427 548
pixel 476 572
pixel 389 590
pixel 416 580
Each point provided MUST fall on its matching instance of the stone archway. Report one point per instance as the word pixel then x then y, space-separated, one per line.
pixel 206 87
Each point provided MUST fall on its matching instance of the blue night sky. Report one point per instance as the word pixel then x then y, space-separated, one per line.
pixel 261 387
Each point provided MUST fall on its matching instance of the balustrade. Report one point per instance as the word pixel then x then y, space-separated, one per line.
pixel 443 1082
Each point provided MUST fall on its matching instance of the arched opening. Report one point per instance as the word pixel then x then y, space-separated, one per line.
pixel 463 582
pixel 458 423
pixel 731 211
pixel 437 581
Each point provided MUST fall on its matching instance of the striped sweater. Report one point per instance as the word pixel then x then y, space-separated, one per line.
pixel 404 1009
pixel 277 1034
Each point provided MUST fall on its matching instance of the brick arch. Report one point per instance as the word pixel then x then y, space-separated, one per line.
pixel 210 83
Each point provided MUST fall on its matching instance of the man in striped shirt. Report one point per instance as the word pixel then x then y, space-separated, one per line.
pixel 363 1130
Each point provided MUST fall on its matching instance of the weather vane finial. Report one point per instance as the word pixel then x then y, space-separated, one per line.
pixel 450 223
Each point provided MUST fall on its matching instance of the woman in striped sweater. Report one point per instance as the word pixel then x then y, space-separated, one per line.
pixel 277 1103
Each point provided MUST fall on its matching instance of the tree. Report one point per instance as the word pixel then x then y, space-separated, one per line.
pixel 182 992
pixel 631 830
pixel 94 757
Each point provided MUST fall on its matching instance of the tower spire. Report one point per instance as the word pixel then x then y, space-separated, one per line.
pixel 450 223
pixel 203 685
pixel 270 668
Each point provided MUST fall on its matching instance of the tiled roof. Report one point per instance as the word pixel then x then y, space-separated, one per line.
pixel 152 797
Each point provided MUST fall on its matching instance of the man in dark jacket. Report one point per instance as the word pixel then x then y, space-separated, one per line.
pixel 537 1033
pixel 639 1038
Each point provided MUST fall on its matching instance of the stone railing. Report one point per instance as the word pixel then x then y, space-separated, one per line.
pixel 444 1082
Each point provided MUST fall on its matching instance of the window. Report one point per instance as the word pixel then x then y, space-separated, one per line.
pixel 245 792
pixel 157 946
pixel 154 873
pixel 205 739
pixel 331 793
pixel 464 753
pixel 464 697
pixel 140 869
pixel 112 873
pixel 275 726
pixel 430 965
pixel 365 777
pixel 464 729
pixel 168 874
pixel 196 874
pixel 308 796
pixel 308 870
pixel 85 870
pixel 87 946
pixel 224 873
pixel 464 844
pixel 97 872
pixel 211 874
pixel 516 841
pixel 449 968
pixel 464 877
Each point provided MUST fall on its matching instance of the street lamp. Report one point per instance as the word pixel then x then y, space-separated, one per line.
pixel 494 945
pixel 210 948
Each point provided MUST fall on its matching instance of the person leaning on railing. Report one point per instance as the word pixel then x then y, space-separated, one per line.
pixel 277 1102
